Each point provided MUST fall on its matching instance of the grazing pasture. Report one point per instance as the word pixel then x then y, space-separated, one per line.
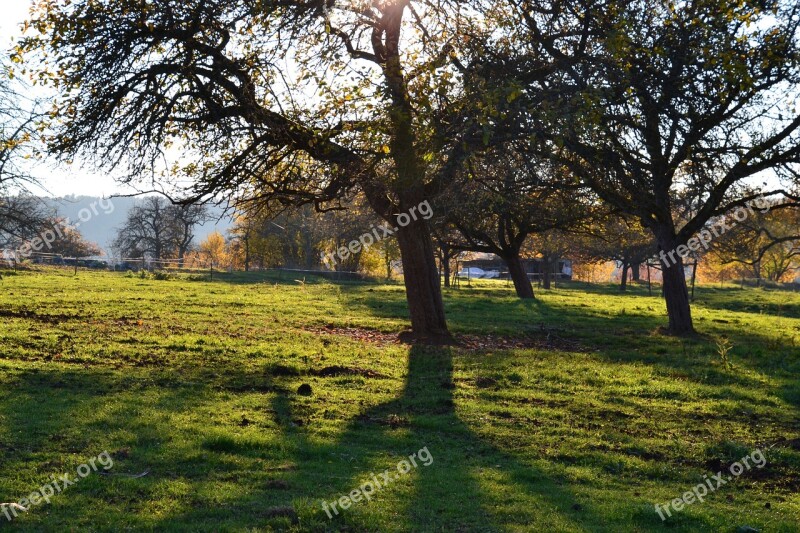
pixel 244 403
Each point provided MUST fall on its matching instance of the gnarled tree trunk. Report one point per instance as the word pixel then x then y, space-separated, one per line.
pixel 421 277
pixel 623 285
pixel 547 266
pixel 522 284
pixel 676 296
pixel 636 269
pixel 444 258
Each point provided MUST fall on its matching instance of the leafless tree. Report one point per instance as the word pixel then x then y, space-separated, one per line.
pixel 158 230
pixel 22 215
pixel 184 219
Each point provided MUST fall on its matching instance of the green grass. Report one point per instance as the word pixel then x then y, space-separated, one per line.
pixel 197 383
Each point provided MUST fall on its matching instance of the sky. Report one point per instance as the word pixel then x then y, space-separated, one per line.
pixel 57 180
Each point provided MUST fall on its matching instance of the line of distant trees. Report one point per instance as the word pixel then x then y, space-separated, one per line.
pixel 297 238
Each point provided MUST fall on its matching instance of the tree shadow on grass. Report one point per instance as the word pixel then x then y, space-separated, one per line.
pixel 54 419
pixel 445 495
pixel 278 481
pixel 617 336
pixel 288 277
pixel 737 300
pixel 470 485
pixel 52 424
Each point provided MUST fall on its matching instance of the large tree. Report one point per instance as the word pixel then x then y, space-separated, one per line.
pixel 22 216
pixel 660 102
pixel 609 237
pixel 766 245
pixel 157 229
pixel 184 219
pixel 69 241
pixel 502 197
pixel 147 231
pixel 296 101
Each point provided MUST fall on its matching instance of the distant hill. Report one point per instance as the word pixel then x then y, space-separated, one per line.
pixel 102 227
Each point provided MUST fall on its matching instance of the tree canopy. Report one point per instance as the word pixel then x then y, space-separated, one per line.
pixel 658 104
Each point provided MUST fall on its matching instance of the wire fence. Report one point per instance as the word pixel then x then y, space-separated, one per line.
pixel 767 283
pixel 191 265
pixel 198 265
pixel 13 259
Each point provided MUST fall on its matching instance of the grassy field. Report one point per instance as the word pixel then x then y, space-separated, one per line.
pixel 571 413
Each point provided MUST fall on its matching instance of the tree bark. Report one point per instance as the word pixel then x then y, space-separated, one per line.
pixel 387 262
pixel 445 259
pixel 547 267
pixel 522 283
pixel 636 271
pixel 677 296
pixel 420 274
pixel 623 285
pixel 246 253
pixel 421 278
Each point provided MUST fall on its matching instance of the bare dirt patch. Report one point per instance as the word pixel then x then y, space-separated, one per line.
pixel 547 340
pixel 360 334
pixel 337 370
